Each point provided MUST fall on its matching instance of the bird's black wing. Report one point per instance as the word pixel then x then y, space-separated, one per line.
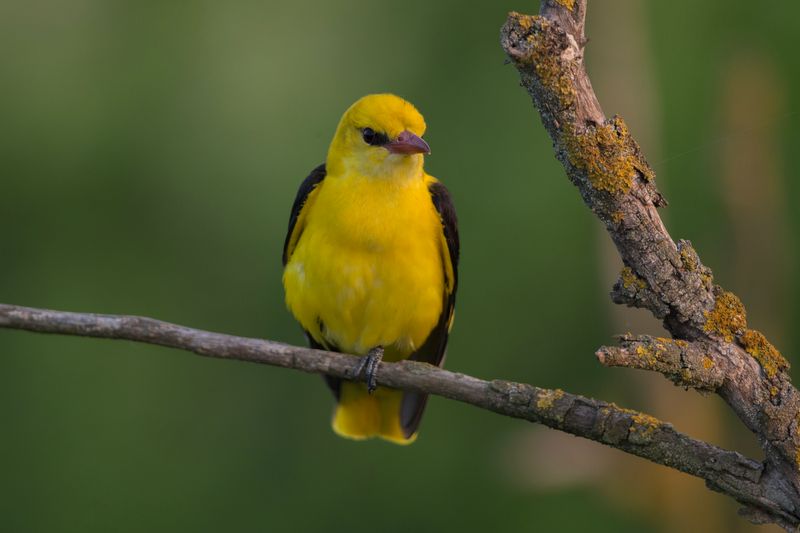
pixel 434 348
pixel 295 229
pixel 296 226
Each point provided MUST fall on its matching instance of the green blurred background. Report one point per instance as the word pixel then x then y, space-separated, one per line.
pixel 149 155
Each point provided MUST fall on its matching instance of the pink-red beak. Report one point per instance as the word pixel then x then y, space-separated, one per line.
pixel 407 143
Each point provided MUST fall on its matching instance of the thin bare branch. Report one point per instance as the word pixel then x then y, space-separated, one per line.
pixel 630 431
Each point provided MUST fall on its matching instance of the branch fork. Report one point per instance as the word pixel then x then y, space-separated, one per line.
pixel 711 350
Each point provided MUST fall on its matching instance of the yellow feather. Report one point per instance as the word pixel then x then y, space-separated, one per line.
pixel 367 267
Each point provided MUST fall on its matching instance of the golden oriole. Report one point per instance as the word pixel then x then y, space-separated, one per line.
pixel 370 262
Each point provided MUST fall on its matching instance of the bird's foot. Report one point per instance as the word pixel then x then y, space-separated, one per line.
pixel 369 365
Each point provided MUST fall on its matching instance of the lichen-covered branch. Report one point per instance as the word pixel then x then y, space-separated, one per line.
pixel 604 161
pixel 687 364
pixel 631 431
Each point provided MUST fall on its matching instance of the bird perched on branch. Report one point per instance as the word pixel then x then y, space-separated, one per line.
pixel 370 262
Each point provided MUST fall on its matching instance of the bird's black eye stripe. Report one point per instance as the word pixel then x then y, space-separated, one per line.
pixel 374 138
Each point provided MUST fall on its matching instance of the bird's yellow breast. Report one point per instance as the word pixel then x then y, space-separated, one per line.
pixel 368 267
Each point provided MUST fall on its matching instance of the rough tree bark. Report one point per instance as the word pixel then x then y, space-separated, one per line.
pixel 712 349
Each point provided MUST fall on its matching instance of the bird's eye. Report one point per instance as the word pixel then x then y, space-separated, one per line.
pixel 374 138
pixel 368 134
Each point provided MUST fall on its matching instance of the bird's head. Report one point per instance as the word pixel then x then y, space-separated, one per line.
pixel 379 136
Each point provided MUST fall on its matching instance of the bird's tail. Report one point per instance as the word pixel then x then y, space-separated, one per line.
pixel 360 415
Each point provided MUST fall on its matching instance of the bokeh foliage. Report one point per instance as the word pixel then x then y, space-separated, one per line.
pixel 149 154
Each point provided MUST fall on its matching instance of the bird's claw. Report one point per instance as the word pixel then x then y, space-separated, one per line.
pixel 369 365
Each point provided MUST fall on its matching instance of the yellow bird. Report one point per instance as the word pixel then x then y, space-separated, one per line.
pixel 370 262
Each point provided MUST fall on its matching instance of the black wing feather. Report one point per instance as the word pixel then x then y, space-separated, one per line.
pixel 444 206
pixel 308 185
pixel 434 348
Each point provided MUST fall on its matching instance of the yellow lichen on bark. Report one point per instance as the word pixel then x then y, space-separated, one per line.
pixel 612 407
pixel 525 21
pixel 630 280
pixel 644 426
pixel 647 353
pixel 764 352
pixel 608 154
pixel 728 318
pixel 551 74
pixel 688 259
pixel 569 4
pixel 548 398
